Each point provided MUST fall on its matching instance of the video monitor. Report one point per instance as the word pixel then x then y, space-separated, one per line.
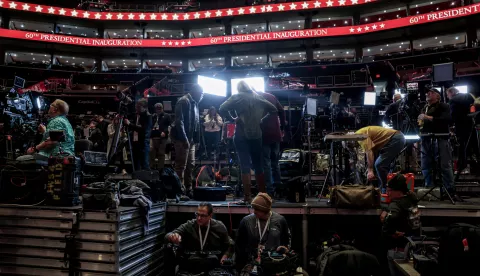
pixel 213 86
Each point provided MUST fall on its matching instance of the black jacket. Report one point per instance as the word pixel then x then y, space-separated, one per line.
pixel 393 116
pixel 217 240
pixel 460 108
pixel 441 118
pixel 246 245
pixel 143 128
pixel 187 120
pixel 347 260
pixel 163 120
pixel 402 217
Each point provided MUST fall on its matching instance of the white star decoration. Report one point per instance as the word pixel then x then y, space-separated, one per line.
pixel 119 16
pixel 109 16
pixel 354 2
pixel 374 27
pixel 153 16
pixel 281 7
pixel 98 16
pixel 38 8
pixel 241 11
pixel 74 13
pixel 164 16
pixel 26 7
pixel 164 43
pixel 189 42
pixel 253 10
pixel 1 3
pixel 142 16
pixel 207 14
pixel 183 43
pixel 229 12
pixel 359 29
pixel 175 16
pixel 186 16
pixel 317 4
pixel 269 8
pixel 293 6
pixel 367 28
pixel 61 11
pixel 51 10
pixel 329 3
pixel 131 16
pixel 13 5
pixel 382 25
pixel 305 5
pixel 341 2
pixel 170 43
pixel 86 14
pixel 262 8
pixel 352 30
pixel 176 43
pixel 218 13
pixel 196 15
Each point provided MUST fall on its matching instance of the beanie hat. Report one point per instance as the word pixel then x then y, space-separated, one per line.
pixel 398 183
pixel 262 202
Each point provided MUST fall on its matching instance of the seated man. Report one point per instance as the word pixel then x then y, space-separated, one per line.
pixel 201 234
pixel 262 230
pixel 384 142
pixel 58 122
pixel 402 219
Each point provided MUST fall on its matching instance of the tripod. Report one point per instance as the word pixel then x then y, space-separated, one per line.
pixel 433 138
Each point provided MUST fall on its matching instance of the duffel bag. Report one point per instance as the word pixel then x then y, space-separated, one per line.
pixel 355 197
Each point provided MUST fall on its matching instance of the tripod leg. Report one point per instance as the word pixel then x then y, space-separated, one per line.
pixel 325 182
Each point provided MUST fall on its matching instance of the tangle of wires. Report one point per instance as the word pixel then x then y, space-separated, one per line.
pixel 16 186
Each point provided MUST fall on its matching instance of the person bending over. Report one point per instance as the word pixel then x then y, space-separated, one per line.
pixel 202 234
pixel 402 219
pixel 384 142
pixel 58 121
pixel 262 230
pixel 251 109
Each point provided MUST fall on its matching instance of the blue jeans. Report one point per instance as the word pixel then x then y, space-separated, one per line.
pixel 444 151
pixel 387 154
pixel 249 154
pixel 271 167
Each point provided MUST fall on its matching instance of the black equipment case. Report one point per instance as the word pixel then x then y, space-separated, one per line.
pixel 210 194
pixel 64 177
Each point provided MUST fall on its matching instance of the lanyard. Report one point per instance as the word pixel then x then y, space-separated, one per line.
pixel 262 234
pixel 203 241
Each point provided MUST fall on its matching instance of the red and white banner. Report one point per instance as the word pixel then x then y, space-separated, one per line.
pixel 168 16
pixel 258 37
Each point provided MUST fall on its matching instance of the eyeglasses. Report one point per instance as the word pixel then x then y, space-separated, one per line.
pixel 201 215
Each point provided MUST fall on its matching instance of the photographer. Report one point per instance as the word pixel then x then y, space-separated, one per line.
pixel 161 122
pixel 392 115
pixel 58 122
pixel 213 125
pixel 202 234
pixel 436 119
pixel 263 230
pixel 141 135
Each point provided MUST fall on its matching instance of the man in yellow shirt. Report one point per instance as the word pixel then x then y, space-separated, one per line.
pixel 384 143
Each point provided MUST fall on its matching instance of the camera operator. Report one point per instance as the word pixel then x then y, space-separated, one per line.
pixel 202 234
pixel 460 108
pixel 263 230
pixel 392 115
pixel 102 124
pixel 436 119
pixel 58 122
pixel 161 122
pixel 141 135
pixel 96 137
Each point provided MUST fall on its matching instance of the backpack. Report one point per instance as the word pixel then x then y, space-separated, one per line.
pixel 205 176
pixel 460 250
pixel 171 184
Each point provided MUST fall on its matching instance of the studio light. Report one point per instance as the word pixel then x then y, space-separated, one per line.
pixel 213 86
pixel 463 89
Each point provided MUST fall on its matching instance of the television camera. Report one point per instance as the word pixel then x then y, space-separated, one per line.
pixel 20 116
